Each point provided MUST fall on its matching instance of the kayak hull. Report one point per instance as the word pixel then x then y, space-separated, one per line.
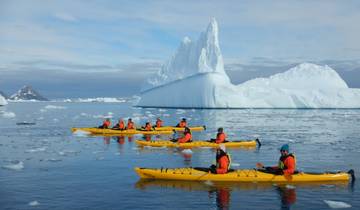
pixel 163 143
pixel 99 131
pixel 244 175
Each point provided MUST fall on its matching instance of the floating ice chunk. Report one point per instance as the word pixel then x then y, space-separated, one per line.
pixel 337 204
pixel 40 149
pixel 7 114
pixel 209 183
pixel 235 164
pixel 187 151
pixel 54 107
pixel 17 167
pixel 180 111
pixel 97 152
pixel 100 158
pixel 81 133
pixel 53 160
pixel 289 186
pixel 34 203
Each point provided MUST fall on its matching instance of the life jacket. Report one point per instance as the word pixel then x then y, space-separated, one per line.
pixel 130 125
pixel 219 160
pixel 148 127
pixel 121 125
pixel 106 124
pixel 187 138
pixel 281 163
pixel 159 123
pixel 220 137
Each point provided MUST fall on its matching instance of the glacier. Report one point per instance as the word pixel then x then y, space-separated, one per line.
pixel 195 78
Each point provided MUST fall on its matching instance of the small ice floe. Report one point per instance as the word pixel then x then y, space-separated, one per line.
pixel 7 114
pixel 40 149
pixel 68 152
pixel 337 204
pixel 166 115
pixel 289 186
pixel 34 203
pixel 53 160
pixel 180 111
pixel 55 120
pixel 100 158
pixel 97 152
pixel 209 183
pixel 81 133
pixel 235 164
pixel 187 151
pixel 162 110
pixel 17 167
pixel 54 107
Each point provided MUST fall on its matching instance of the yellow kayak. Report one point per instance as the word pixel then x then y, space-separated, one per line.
pixel 164 143
pixel 243 175
pixel 171 128
pixel 120 132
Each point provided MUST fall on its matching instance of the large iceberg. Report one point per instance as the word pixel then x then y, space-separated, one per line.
pixel 195 78
pixel 2 101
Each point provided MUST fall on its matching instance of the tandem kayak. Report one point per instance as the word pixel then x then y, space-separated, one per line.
pixel 242 175
pixel 173 128
pixel 163 143
pixel 102 131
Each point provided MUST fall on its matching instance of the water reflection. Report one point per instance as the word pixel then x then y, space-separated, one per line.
pixel 221 191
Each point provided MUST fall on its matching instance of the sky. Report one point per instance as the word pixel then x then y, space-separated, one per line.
pixel 74 48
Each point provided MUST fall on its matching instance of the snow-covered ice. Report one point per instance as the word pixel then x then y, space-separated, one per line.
pixel 5 114
pixel 17 167
pixel 197 70
pixel 34 203
pixel 2 101
pixel 337 204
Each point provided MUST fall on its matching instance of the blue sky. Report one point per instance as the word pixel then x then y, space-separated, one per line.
pixel 133 38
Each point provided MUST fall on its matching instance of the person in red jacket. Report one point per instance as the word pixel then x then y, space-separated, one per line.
pixel 130 124
pixel 159 123
pixel 147 127
pixel 186 138
pixel 223 161
pixel 220 137
pixel 120 125
pixel 106 124
pixel 182 123
pixel 286 165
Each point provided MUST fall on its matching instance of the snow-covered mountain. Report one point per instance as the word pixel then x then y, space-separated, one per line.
pixel 27 93
pixel 194 77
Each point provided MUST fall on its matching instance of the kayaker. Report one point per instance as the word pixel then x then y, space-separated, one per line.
pixel 182 123
pixel 147 126
pixel 130 124
pixel 220 137
pixel 159 123
pixel 106 124
pixel 186 138
pixel 223 161
pixel 286 165
pixel 120 125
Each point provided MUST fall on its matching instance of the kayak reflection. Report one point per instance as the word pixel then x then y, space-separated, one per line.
pixel 222 190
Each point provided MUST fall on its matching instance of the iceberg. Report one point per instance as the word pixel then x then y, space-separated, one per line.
pixel 2 101
pixel 195 78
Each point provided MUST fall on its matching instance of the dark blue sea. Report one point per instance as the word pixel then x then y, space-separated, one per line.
pixel 45 166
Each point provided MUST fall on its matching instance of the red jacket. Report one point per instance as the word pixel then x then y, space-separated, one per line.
pixel 159 123
pixel 287 164
pixel 106 124
pixel 220 138
pixel 223 165
pixel 186 138
pixel 130 125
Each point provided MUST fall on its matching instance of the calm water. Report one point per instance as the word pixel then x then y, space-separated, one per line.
pixel 66 171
